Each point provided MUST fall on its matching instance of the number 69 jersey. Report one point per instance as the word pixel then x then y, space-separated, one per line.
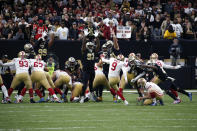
pixel 115 67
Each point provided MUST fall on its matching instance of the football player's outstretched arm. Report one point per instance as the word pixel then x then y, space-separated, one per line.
pixel 51 41
pixel 97 44
pixel 116 45
pixel 83 48
pixel 105 60
pixel 137 77
pixel 8 64
pixel 169 66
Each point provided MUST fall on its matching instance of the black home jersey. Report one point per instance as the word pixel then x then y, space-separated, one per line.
pixel 30 55
pixel 160 72
pixel 88 60
pixel 72 69
pixel 41 48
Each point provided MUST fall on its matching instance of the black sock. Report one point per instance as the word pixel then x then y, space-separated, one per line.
pixel 171 95
pixel 183 92
pixel 100 91
pixel 97 91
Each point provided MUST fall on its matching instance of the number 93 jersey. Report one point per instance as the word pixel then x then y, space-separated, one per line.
pixel 22 65
pixel 37 65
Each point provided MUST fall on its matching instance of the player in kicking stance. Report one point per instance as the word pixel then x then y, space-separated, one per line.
pixel 153 93
pixel 22 74
pixel 114 74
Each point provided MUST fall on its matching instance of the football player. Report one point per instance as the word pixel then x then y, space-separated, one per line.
pixel 22 74
pixel 133 73
pixel 62 79
pixel 114 74
pixel 42 45
pixel 29 51
pixel 154 92
pixel 100 80
pixel 3 88
pixel 161 76
pixel 89 57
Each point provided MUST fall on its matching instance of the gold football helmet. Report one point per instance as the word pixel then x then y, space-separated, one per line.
pixel 141 82
pixel 21 54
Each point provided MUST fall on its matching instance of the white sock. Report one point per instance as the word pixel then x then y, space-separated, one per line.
pixel 20 97
pixel 54 96
pixel 4 90
pixel 154 100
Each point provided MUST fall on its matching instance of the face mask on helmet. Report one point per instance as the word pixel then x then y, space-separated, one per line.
pixel 109 44
pixel 71 61
pixel 120 57
pixel 90 46
pixel 28 47
pixel 104 48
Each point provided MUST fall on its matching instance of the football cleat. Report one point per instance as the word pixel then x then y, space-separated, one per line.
pixel 114 99
pixel 177 101
pixel 32 100
pixel 126 103
pixel 161 102
pixel 82 99
pixel 99 99
pixel 154 104
pixel 76 99
pixel 92 96
pixel 41 100
pixel 190 96
pixel 8 100
pixel 56 100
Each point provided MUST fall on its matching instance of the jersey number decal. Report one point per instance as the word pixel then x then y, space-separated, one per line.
pixel 42 52
pixel 90 56
pixel 114 64
pixel 38 64
pixel 23 63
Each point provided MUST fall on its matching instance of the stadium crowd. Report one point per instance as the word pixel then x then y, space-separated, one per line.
pixel 66 19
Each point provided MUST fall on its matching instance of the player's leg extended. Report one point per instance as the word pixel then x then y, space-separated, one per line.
pixel 4 89
pixel 15 82
pixel 49 80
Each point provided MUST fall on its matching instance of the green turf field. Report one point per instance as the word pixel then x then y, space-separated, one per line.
pixel 104 116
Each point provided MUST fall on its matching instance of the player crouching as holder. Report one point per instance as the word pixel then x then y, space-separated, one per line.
pixel 154 92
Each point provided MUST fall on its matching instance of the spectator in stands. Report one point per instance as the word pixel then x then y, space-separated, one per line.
pixel 7 31
pixel 156 27
pixel 177 28
pixel 188 31
pixel 189 9
pixel 170 33
pixel 19 35
pixel 175 51
pixel 165 24
pixel 73 32
pixel 169 7
pixel 62 32
pixel 110 18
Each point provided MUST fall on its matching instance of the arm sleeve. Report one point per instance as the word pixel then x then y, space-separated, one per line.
pixel 167 66
pixel 125 74
pixel 105 60
pixel 8 64
pixel 139 76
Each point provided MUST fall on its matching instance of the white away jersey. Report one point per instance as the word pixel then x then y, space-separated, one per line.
pixel 22 65
pixel 115 66
pixel 60 72
pixel 98 70
pixel 37 65
pixel 152 87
